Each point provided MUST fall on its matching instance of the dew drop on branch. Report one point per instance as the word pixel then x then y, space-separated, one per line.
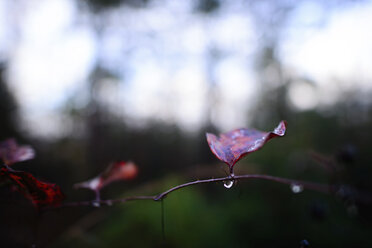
pixel 228 184
pixel 297 188
pixel 96 204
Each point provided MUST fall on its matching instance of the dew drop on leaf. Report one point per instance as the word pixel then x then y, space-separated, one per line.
pixel 296 188
pixel 228 184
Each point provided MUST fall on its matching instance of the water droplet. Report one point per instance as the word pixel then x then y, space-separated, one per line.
pixel 297 188
pixel 109 203
pixel 228 184
pixel 96 204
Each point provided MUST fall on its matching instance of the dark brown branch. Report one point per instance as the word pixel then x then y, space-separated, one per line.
pixel 306 185
pixel 105 202
pixel 324 188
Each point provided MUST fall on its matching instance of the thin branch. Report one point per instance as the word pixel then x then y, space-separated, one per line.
pixel 324 188
pixel 103 202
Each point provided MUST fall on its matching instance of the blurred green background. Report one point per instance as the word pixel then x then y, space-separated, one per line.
pixel 91 82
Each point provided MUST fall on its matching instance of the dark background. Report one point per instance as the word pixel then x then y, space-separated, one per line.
pixel 252 213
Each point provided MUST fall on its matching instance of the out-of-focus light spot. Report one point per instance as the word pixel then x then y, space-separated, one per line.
pixel 46 125
pixel 145 96
pixel 303 96
pixel 165 59
pixel 234 78
pixel 4 30
pixel 44 76
pixel 235 91
pixel 308 13
pixel 194 39
pixel 340 49
pixel 50 62
pixel 189 92
pixel 44 20
pixel 233 31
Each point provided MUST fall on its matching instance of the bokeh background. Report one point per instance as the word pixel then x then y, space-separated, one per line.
pixel 88 82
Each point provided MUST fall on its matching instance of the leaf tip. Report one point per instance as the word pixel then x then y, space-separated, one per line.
pixel 281 129
pixel 210 137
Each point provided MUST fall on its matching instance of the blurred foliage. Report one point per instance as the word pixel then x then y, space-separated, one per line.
pixel 8 109
pixel 251 214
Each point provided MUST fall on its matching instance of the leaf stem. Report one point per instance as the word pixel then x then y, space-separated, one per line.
pixel 324 188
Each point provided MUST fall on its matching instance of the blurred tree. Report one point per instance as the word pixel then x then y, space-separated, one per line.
pixel 8 109
pixel 207 6
pixel 100 5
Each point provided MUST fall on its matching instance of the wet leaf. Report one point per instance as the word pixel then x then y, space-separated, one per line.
pixel 230 147
pixel 40 193
pixel 11 153
pixel 115 172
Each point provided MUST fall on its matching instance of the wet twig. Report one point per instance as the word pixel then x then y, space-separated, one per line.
pixel 324 188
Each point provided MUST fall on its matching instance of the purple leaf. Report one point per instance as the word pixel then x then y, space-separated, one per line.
pixel 11 153
pixel 230 147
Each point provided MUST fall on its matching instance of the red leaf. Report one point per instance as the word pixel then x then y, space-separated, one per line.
pixel 230 147
pixel 40 193
pixel 115 171
pixel 11 153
